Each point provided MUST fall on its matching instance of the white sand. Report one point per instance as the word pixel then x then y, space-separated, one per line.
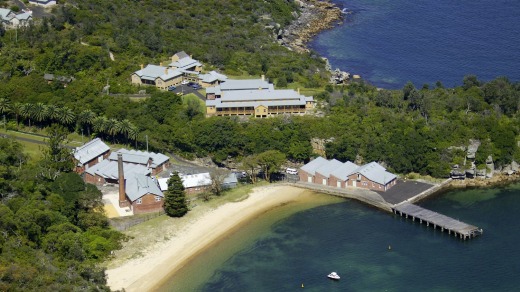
pixel 147 272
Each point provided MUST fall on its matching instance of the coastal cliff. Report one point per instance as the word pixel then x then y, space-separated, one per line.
pixel 315 16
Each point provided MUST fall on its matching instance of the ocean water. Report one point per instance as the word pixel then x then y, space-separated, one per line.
pixel 353 240
pixel 391 42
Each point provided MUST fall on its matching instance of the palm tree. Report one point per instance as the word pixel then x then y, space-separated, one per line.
pixel 112 128
pixel 98 124
pixel 125 126
pixel 5 105
pixel 52 112
pixel 66 116
pixel 39 112
pixel 26 111
pixel 16 109
pixel 86 118
pixel 134 134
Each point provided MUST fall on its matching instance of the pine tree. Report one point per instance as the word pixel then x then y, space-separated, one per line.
pixel 175 201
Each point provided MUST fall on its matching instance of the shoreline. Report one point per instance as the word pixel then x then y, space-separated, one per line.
pixel 315 17
pixel 162 259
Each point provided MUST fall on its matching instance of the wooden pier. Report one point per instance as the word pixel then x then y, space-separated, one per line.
pixel 458 228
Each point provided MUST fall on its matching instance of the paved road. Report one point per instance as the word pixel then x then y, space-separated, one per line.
pixel 185 89
pixel 31 140
pixel 404 190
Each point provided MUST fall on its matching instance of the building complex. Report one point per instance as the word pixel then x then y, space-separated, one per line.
pixel 335 173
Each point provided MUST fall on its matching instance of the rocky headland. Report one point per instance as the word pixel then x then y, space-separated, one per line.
pixel 314 17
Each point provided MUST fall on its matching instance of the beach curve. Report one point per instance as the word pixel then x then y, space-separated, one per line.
pixel 163 259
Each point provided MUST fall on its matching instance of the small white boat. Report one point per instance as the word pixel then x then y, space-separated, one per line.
pixel 333 276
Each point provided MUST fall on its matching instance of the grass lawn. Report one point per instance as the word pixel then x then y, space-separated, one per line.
pixel 191 96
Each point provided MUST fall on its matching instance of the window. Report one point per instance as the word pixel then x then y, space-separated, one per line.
pixel 139 201
pixel 157 198
pixel 265 110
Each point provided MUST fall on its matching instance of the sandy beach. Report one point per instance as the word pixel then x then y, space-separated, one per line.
pixel 161 258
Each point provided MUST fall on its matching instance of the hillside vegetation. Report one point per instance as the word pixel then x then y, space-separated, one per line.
pixel 409 130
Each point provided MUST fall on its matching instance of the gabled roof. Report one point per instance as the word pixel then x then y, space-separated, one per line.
pixel 138 185
pixel 255 98
pixel 313 165
pixel 6 14
pixel 152 72
pixel 376 173
pixel 345 170
pixel 185 63
pixel 213 90
pixel 24 16
pixel 327 168
pixel 245 84
pixel 195 180
pixel 181 55
pixel 108 169
pixel 230 179
pixel 163 183
pixel 212 76
pixel 140 157
pixel 90 150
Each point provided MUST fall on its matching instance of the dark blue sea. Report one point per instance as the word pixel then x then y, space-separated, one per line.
pixel 390 42
pixel 353 240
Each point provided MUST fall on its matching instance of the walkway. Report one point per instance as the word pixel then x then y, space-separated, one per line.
pixel 459 229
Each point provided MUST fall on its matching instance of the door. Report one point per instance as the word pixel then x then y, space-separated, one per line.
pixel 324 182
pixel 309 179
pixel 354 183
pixel 338 184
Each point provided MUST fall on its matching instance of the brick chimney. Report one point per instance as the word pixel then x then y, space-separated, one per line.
pixel 122 194
pixel 263 77
pixel 160 64
pixel 142 66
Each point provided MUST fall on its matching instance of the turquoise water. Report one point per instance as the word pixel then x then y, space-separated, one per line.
pixel 390 42
pixel 352 239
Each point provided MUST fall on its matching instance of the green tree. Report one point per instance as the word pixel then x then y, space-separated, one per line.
pixel 56 156
pixel 270 161
pixel 175 204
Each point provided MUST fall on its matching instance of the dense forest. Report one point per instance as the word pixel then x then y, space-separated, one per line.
pixel 409 130
pixel 52 229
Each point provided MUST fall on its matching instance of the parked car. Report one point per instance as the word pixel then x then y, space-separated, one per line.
pixel 184 82
pixel 196 86
pixel 172 88
pixel 289 170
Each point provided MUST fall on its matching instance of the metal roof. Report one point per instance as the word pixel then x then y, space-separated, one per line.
pixel 376 173
pixel 181 55
pixel 185 63
pixel 90 150
pixel 140 157
pixel 109 169
pixel 138 185
pixel 212 76
pixel 254 98
pixel 327 168
pixel 313 165
pixel 24 16
pixel 345 170
pixel 245 84
pixel 6 14
pixel 152 72
pixel 195 180
pixel 255 95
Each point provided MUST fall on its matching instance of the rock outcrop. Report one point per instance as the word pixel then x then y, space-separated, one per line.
pixel 315 16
